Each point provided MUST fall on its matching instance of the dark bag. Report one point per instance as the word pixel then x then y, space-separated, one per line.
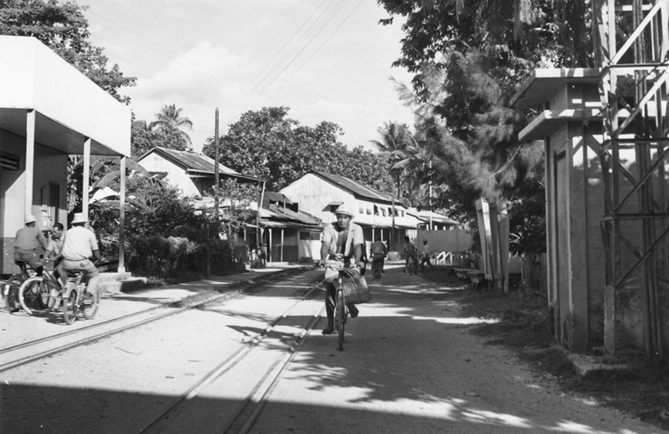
pixel 355 287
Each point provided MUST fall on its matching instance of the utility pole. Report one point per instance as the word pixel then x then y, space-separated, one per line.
pixel 430 193
pixel 216 184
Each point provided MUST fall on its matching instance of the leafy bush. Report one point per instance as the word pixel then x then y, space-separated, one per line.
pixel 164 237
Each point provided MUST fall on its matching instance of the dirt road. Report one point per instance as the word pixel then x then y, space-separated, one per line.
pixel 410 365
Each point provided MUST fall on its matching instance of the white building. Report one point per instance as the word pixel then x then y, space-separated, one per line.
pixel 48 110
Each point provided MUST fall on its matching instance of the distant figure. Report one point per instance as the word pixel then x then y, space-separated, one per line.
pixel 411 256
pixel 29 246
pixel 379 253
pixel 425 256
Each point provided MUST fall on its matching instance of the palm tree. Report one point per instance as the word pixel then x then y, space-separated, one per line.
pixel 169 120
pixel 394 137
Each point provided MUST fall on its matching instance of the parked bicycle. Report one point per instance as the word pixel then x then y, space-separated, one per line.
pixel 77 300
pixel 40 293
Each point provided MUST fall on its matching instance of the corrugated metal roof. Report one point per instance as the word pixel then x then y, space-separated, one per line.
pixel 354 187
pixel 194 162
pixel 425 215
pixel 277 197
pixel 281 213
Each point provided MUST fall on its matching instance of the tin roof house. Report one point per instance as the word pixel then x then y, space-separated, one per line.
pixel 320 193
pixel 191 173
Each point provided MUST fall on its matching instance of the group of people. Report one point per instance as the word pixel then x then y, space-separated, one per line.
pixel 71 250
pixel 412 255
pixel 343 241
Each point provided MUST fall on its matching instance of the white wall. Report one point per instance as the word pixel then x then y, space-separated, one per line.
pixel 445 241
pixel 39 79
pixel 312 194
pixel 176 176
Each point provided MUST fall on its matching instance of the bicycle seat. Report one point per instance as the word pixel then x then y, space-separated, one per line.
pixel 74 273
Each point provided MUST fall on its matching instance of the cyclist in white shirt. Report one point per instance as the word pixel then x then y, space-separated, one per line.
pixel 79 245
pixel 343 241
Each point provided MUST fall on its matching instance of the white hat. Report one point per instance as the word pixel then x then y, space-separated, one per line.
pixel 345 209
pixel 30 219
pixel 79 218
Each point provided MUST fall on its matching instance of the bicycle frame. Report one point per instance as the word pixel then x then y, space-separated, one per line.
pixel 38 288
pixel 78 282
pixel 340 308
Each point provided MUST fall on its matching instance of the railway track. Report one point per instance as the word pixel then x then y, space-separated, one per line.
pixel 285 340
pixel 37 349
pixel 249 408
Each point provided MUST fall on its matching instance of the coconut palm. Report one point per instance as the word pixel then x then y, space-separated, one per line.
pixel 170 121
pixel 394 137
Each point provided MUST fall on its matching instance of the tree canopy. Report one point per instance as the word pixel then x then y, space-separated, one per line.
pixel 270 145
pixel 468 59
pixel 170 125
pixel 64 28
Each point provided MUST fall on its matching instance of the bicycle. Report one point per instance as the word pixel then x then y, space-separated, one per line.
pixel 340 308
pixel 77 299
pixel 411 265
pixel 377 266
pixel 36 292
pixel 10 290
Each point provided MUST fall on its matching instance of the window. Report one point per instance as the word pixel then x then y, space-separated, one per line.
pixel 9 161
pixel 310 236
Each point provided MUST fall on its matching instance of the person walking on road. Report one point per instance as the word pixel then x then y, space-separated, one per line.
pixel 425 256
pixel 411 257
pixel 342 241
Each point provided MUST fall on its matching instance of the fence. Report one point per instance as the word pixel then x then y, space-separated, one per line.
pixel 457 240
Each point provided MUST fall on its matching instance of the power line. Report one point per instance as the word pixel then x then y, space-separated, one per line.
pixel 323 42
pixel 310 34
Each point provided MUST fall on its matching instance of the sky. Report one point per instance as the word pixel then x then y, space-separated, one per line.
pixel 327 60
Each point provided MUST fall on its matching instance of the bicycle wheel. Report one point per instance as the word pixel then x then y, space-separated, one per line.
pixel 90 304
pixel 32 294
pixel 70 305
pixel 340 319
pixel 11 293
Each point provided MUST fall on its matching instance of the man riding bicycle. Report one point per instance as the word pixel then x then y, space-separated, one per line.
pixel 379 253
pixel 29 246
pixel 79 244
pixel 344 242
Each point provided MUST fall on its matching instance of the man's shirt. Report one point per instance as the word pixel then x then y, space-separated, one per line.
pixel 354 236
pixel 55 246
pixel 29 239
pixel 79 243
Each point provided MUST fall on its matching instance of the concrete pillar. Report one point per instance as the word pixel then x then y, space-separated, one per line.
pixel 85 184
pixel 282 235
pixel 121 220
pixel 30 161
